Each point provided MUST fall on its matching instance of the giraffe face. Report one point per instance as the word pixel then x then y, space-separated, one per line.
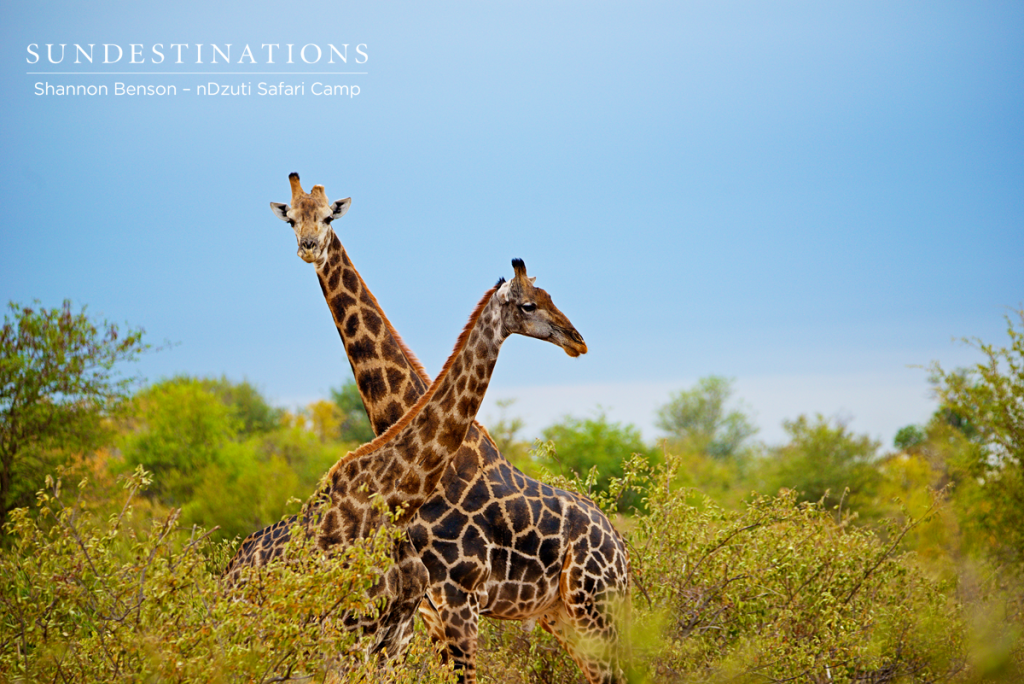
pixel 528 310
pixel 310 216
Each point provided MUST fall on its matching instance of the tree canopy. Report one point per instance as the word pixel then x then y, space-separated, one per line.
pixel 59 380
pixel 986 404
pixel 822 460
pixel 700 420
pixel 355 425
pixel 581 444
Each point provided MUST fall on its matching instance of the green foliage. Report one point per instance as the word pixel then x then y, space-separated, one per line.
pixel 727 482
pixel 179 429
pixel 698 420
pixel 257 482
pixel 247 404
pixel 302 450
pixel 822 462
pixel 242 494
pixel 521 652
pixel 96 600
pixel 986 404
pixel 908 437
pixel 778 591
pixel 192 434
pixel 585 445
pixel 781 591
pixel 355 425
pixel 57 384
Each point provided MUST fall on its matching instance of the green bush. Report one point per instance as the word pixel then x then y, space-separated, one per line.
pixel 593 447
pixel 986 405
pixel 253 481
pixel 822 462
pixel 59 386
pixel 781 591
pixel 178 428
pixel 219 452
pixel 87 599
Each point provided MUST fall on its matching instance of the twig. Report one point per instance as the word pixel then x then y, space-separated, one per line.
pixel 887 553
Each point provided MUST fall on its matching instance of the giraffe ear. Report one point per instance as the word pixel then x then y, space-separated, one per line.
pixel 340 207
pixel 502 294
pixel 280 210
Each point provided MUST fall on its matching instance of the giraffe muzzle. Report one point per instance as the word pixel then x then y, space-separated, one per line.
pixel 308 251
pixel 572 342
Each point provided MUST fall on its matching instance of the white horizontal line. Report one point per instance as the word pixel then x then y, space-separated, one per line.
pixel 195 73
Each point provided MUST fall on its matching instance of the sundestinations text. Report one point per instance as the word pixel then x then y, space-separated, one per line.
pixel 158 53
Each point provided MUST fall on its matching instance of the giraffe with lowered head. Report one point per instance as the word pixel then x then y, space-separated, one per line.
pixel 495 542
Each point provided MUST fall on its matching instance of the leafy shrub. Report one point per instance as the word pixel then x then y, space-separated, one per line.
pixel 780 591
pixel 220 453
pixel 93 600
pixel 822 462
pixel 595 446
pixel 521 653
pixel 179 427
pixel 985 403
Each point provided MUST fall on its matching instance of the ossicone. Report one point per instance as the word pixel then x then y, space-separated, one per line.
pixel 293 179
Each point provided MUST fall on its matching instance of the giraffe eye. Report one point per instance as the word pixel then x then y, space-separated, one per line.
pixel 328 220
pixel 528 307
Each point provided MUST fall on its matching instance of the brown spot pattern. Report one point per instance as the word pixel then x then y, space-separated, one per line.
pixel 564 566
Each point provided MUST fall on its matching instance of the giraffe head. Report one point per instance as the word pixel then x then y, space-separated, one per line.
pixel 528 310
pixel 310 216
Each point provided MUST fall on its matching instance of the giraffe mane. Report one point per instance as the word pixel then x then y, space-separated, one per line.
pixel 401 424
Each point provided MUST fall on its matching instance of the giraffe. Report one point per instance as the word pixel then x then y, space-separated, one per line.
pixel 404 464
pixel 494 541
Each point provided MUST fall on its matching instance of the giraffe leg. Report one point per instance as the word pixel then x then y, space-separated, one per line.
pixel 405 583
pixel 593 648
pixel 586 622
pixel 453 617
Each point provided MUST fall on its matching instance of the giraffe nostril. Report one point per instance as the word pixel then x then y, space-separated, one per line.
pixel 308 244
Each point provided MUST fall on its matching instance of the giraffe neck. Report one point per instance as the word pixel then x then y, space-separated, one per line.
pixel 405 464
pixel 453 399
pixel 389 377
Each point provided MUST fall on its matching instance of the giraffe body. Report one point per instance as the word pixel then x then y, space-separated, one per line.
pixel 493 541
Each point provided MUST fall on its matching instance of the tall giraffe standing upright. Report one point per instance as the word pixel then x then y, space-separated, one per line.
pixel 495 542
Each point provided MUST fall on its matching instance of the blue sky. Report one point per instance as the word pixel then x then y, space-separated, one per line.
pixel 810 198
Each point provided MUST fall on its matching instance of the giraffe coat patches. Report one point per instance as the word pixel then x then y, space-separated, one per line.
pixel 549 583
